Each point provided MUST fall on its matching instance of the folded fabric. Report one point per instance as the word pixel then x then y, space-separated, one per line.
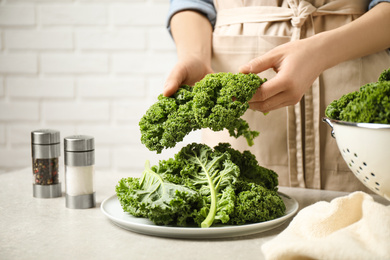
pixel 350 227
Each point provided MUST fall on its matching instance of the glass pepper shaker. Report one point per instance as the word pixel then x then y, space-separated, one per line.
pixel 79 171
pixel 45 150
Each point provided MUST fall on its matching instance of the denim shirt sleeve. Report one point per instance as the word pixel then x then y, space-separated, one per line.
pixel 205 7
pixel 375 2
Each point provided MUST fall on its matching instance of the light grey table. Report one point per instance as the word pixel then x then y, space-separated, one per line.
pixel 32 228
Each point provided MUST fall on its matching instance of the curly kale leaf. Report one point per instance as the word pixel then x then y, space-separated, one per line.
pixel 239 127
pixel 221 98
pixel 371 104
pixel 226 101
pixel 334 109
pixel 257 199
pixel 216 102
pixel 168 120
pixel 385 76
pixel 213 175
pixel 250 170
pixel 161 201
pixel 127 197
pixel 255 203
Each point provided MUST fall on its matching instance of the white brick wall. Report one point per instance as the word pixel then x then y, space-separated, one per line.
pixel 19 111
pixel 1 87
pixel 76 63
pixel 119 87
pixel 32 87
pixel 73 14
pixel 38 40
pixel 17 15
pixel 142 14
pixel 82 67
pixel 118 40
pixel 17 63
pixel 2 134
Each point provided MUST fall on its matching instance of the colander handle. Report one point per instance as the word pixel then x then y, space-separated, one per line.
pixel 327 120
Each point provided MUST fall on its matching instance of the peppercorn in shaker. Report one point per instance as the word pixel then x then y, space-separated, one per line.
pixel 79 171
pixel 45 150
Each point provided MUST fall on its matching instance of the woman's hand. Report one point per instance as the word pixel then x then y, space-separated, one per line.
pixel 297 65
pixel 187 71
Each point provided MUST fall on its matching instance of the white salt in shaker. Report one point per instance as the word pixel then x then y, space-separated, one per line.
pixel 79 171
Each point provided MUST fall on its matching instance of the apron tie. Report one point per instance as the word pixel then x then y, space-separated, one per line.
pixel 300 14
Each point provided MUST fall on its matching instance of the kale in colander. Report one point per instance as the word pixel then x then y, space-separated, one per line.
pixel 371 104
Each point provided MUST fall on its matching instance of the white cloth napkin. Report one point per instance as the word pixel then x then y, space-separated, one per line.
pixel 350 227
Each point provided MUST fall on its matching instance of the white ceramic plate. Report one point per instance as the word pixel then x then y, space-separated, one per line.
pixel 113 210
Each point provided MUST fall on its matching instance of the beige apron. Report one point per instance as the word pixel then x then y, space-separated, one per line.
pixel 293 141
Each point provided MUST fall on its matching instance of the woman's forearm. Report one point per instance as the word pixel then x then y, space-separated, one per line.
pixel 192 33
pixel 368 34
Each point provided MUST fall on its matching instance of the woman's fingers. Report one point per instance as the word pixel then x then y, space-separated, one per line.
pixel 282 90
pixel 259 64
pixel 269 96
pixel 275 102
pixel 187 71
pixel 269 89
pixel 174 80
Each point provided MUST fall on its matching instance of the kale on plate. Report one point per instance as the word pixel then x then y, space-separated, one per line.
pixel 204 187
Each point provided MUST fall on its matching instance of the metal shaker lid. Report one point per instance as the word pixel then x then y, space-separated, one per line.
pixel 79 143
pixel 45 137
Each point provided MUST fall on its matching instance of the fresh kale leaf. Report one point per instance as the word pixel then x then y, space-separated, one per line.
pixel 371 104
pixel 216 102
pixel 210 173
pixel 250 170
pixel 255 203
pixel 152 197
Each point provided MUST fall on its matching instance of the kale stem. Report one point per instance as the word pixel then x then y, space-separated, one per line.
pixel 155 179
pixel 213 205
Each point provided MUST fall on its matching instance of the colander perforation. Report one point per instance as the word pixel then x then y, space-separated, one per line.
pixel 360 169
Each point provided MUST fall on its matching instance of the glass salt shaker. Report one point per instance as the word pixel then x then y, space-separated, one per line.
pixel 45 150
pixel 79 171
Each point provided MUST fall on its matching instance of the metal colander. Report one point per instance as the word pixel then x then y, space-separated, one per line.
pixel 365 147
